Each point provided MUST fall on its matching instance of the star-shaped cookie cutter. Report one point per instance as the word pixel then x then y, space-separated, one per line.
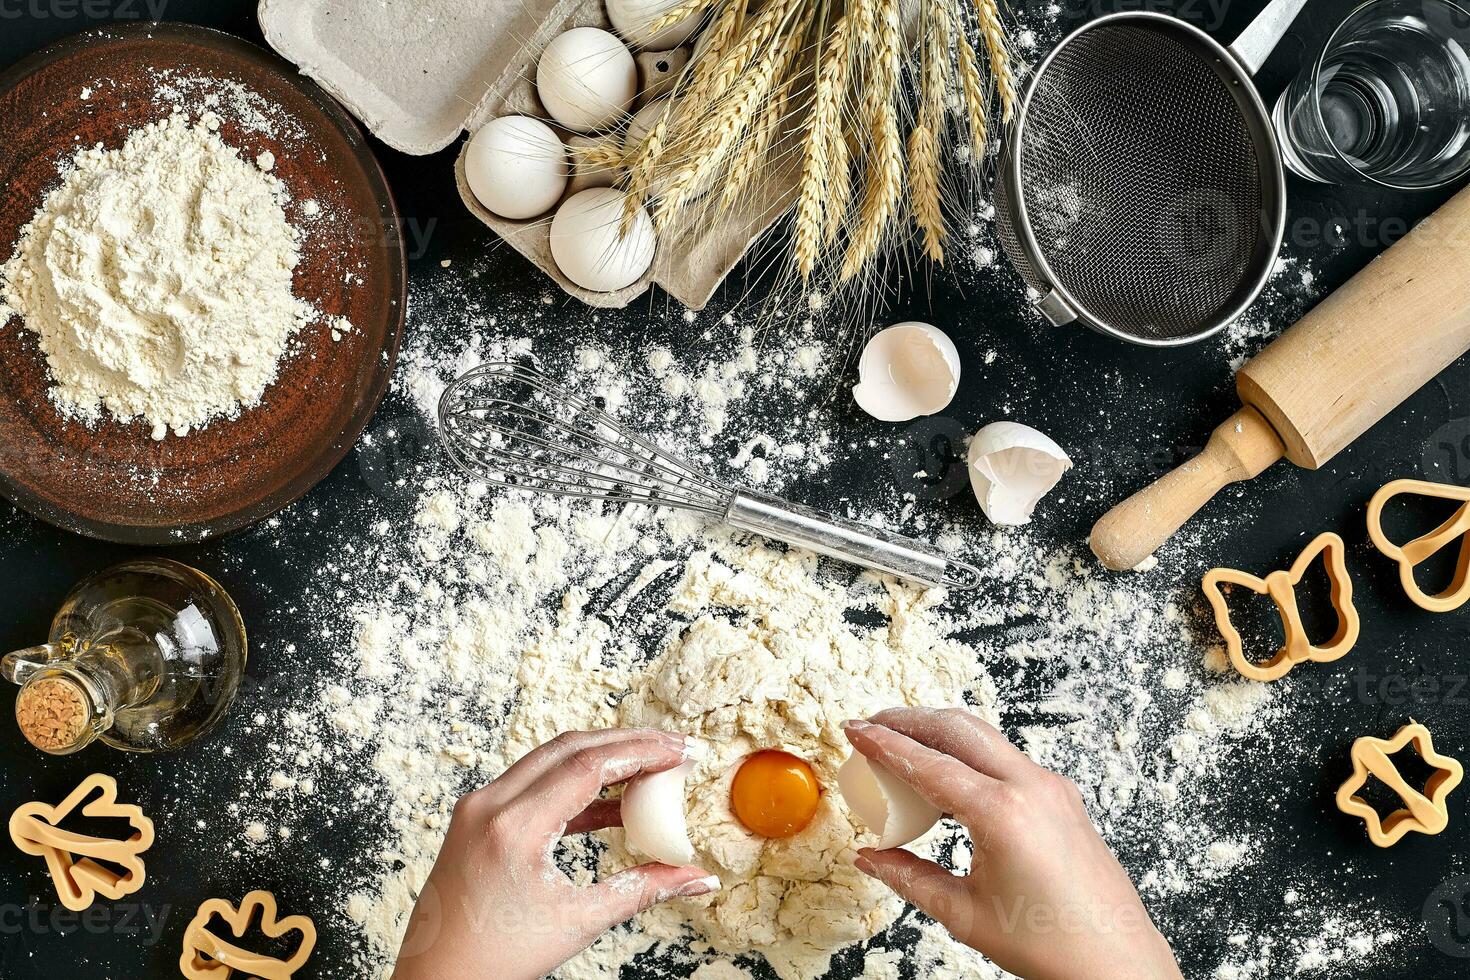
pixel 72 858
pixel 1412 553
pixel 1424 812
pixel 207 956
pixel 1281 587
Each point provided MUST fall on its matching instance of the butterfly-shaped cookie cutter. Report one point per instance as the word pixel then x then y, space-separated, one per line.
pixel 74 859
pixel 1426 812
pixel 1281 587
pixel 208 956
pixel 1413 553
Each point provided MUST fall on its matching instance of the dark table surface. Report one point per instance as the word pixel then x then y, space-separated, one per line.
pixel 1119 438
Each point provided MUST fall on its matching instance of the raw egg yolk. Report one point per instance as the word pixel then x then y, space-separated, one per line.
pixel 775 794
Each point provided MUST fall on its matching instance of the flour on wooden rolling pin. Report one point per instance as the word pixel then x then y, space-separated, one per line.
pixel 158 278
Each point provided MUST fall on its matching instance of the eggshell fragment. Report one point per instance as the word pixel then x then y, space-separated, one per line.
pixel 654 820
pixel 589 247
pixel 517 167
pixel 1012 466
pixel 907 370
pixel 586 79
pixel 634 20
pixel 887 805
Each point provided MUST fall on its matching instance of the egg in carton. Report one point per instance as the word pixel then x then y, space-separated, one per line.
pixel 416 75
pixel 688 263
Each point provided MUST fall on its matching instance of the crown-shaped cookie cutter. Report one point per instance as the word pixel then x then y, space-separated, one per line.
pixel 1281 587
pixel 72 858
pixel 207 956
pixel 1412 553
pixel 1426 812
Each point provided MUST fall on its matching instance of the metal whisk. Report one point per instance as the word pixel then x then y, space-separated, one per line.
pixel 513 426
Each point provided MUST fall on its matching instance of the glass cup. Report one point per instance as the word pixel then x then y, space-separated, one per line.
pixel 1387 102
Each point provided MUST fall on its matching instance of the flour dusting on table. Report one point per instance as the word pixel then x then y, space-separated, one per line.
pixel 493 621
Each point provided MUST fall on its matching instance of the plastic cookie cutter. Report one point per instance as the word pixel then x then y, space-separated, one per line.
pixel 208 956
pixel 1423 547
pixel 1281 587
pixel 1424 812
pixel 83 866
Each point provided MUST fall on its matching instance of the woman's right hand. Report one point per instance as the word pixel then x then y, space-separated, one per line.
pixel 1045 898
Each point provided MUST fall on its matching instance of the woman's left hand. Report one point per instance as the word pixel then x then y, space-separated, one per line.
pixel 497 905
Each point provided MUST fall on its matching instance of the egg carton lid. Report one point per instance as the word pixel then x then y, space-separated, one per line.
pixel 416 73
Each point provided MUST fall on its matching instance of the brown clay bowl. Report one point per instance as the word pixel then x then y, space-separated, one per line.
pixel 111 480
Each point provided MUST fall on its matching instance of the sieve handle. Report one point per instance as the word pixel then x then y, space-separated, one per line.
pixel 1240 449
pixel 1257 41
pixel 848 541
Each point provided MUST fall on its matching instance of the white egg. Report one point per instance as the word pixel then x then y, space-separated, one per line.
pixel 586 79
pixel 517 167
pixel 589 247
pixel 1012 466
pixel 887 806
pixel 654 819
pixel 907 370
pixel 634 20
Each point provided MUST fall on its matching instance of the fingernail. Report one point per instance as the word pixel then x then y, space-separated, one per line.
pixel 700 886
pixel 862 863
pixel 856 725
pixel 695 748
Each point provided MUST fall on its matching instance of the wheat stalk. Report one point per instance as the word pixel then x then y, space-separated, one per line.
pixel 884 185
pixel 823 132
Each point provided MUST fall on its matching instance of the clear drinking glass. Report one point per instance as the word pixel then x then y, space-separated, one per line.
pixel 1387 101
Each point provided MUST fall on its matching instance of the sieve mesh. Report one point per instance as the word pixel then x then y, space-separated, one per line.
pixel 1142 184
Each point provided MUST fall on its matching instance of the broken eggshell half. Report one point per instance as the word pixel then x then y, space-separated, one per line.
pixel 1012 466
pixel 654 820
pixel 909 369
pixel 886 805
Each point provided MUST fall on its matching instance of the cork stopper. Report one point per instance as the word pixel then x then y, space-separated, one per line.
pixel 53 713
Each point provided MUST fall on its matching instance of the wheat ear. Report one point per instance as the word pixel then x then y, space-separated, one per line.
pixel 748 159
pixel 824 130
pixel 723 128
pixel 987 12
pixel 715 76
pixel 676 15
pixel 884 184
pixel 974 91
pixel 924 140
pixel 601 156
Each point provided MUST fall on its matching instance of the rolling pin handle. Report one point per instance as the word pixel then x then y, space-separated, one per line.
pixel 1240 449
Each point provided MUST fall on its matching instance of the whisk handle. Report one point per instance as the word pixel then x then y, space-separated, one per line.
pixel 848 541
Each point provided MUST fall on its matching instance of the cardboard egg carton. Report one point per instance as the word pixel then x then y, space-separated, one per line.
pixel 420 74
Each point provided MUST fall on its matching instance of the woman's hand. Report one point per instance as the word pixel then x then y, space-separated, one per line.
pixel 496 905
pixel 1045 899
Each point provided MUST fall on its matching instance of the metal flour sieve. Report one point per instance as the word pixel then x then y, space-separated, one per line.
pixel 1140 190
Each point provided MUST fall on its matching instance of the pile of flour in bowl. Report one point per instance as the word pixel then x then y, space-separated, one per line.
pixel 158 278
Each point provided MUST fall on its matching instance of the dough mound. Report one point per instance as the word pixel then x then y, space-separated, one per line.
pixel 770 662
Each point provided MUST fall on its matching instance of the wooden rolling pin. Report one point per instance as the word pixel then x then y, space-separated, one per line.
pixel 1359 353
